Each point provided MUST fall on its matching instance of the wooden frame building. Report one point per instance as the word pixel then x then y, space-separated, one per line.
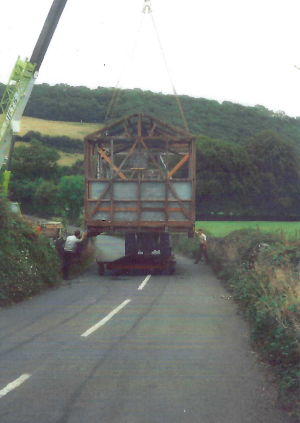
pixel 139 177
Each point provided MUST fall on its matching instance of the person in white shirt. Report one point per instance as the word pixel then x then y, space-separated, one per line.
pixel 202 247
pixel 69 250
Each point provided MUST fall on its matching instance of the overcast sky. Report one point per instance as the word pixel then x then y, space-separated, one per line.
pixel 236 50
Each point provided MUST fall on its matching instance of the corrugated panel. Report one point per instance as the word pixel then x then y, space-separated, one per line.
pixel 180 216
pixel 150 216
pixel 127 204
pixel 182 189
pixel 97 189
pixel 153 204
pixel 101 216
pixel 125 216
pixel 125 190
pixel 153 190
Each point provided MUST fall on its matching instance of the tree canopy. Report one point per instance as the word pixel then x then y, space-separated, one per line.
pixel 275 166
pixel 34 161
pixel 227 121
pixel 224 180
pixel 247 157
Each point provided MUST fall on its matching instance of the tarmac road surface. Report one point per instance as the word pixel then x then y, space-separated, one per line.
pixel 133 348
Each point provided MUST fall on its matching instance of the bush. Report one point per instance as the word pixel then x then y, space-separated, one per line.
pixel 29 263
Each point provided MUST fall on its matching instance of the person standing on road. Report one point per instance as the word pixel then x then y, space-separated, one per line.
pixel 69 251
pixel 202 247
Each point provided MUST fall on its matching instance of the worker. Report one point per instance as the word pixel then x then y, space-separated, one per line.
pixel 69 251
pixel 202 247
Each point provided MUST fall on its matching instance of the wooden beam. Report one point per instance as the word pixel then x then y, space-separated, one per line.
pixel 178 166
pixel 107 159
pixel 152 130
pixel 126 158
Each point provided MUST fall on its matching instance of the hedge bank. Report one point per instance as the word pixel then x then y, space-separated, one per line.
pixel 29 263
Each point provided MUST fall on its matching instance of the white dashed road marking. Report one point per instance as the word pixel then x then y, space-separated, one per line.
pixel 144 283
pixel 106 319
pixel 13 385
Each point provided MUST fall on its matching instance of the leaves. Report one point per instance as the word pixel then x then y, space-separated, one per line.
pixel 28 262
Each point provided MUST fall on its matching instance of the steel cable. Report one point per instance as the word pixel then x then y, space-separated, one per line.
pixel 117 88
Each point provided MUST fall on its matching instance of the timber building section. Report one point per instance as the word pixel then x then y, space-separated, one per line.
pixel 140 176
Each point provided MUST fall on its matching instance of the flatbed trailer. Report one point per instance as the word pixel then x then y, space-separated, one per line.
pixel 153 263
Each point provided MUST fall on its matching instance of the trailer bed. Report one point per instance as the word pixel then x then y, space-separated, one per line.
pixel 152 263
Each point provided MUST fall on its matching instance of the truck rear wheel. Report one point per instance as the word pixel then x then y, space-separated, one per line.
pixel 130 244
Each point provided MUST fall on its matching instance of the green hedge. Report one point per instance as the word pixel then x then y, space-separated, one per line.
pixel 29 263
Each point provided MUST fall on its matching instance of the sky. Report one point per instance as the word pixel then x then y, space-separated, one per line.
pixel 235 50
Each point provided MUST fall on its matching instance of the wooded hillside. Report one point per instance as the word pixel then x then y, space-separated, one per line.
pixel 227 121
pixel 248 158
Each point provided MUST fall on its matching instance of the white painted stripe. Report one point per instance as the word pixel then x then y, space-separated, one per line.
pixel 144 283
pixel 13 385
pixel 106 319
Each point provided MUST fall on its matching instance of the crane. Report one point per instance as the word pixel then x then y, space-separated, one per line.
pixel 19 88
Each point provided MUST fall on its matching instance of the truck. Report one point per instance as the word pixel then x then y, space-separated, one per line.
pixel 140 182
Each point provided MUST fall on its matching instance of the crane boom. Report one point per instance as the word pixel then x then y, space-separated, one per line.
pixel 21 82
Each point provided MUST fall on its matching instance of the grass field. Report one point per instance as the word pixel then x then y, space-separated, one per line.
pixel 75 130
pixel 48 127
pixel 219 229
pixel 67 159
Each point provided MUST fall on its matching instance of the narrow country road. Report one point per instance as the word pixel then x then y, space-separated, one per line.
pixel 132 349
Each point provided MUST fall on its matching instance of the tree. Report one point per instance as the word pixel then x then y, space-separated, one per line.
pixel 45 198
pixel 223 177
pixel 23 191
pixel 275 162
pixel 70 196
pixel 227 121
pixel 34 161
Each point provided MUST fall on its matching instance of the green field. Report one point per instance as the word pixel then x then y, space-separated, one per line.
pixel 68 159
pixel 219 229
pixel 76 130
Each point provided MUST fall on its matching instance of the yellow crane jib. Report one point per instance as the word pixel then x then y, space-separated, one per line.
pixel 19 88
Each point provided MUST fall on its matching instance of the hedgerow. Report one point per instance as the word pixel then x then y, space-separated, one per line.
pixel 262 272
pixel 29 263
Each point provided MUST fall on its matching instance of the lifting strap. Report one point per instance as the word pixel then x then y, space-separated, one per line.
pixel 167 68
pixel 116 95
